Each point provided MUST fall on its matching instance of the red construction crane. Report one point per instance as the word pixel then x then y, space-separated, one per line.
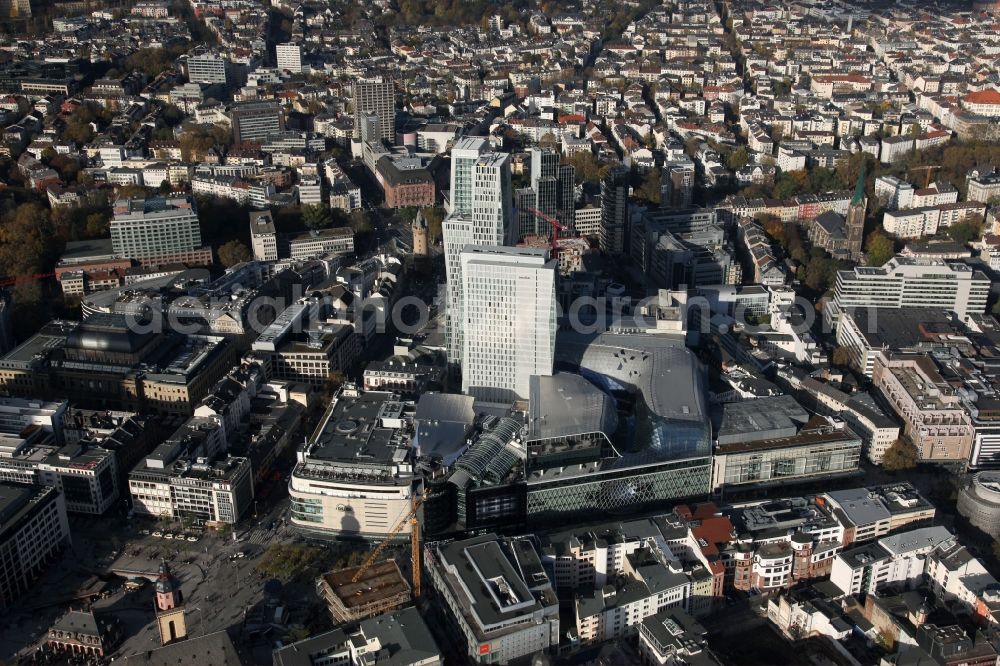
pixel 557 226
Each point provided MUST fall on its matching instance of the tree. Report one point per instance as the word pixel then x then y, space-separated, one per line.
pixel 234 252
pixel 650 190
pixel 841 357
pixel 738 159
pixel 316 216
pixel 901 456
pixel 964 232
pixel 588 170
pixel 359 222
pixel 879 248
pixel 434 217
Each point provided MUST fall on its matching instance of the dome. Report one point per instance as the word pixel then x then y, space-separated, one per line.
pixel 107 333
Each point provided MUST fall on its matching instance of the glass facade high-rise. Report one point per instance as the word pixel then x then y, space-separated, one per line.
pixel 553 186
pixel 482 214
pixel 614 211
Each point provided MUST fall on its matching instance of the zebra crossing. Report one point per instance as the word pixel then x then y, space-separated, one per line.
pixel 258 535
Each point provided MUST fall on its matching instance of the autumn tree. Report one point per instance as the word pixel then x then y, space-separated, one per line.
pixel 738 159
pixel 588 169
pixel 434 217
pixel 650 189
pixel 234 252
pixel 841 357
pixel 901 456
pixel 879 248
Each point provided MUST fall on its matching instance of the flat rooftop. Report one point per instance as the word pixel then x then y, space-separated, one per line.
pixel 354 432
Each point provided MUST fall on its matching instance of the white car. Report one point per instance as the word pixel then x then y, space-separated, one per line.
pixel 168 535
pixel 157 533
pixel 192 538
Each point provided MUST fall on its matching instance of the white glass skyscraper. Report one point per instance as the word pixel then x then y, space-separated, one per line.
pixel 481 215
pixel 509 320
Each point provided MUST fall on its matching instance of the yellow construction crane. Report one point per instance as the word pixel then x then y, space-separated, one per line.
pixel 411 518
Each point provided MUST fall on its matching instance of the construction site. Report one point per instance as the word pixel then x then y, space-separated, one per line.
pixel 380 588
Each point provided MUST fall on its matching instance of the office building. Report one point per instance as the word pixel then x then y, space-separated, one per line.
pixel 553 189
pixel 207 68
pixel 155 227
pixel 353 477
pixel 672 636
pixel 104 363
pixel 190 476
pixel 289 57
pixel 299 347
pixel 399 638
pixel 481 215
pixel 908 282
pixel 509 320
pixel 256 121
pixel 772 440
pixel 868 333
pixel 615 230
pixel 33 530
pixel 263 237
pixel 378 99
pixel 464 156
pixel 930 408
pixel 319 243
pixel 497 595
pixel 896 560
pixel 677 183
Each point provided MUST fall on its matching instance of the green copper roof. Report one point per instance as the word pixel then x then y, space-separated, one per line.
pixel 859 189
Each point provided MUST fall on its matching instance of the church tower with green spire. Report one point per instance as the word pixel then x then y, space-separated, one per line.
pixel 854 224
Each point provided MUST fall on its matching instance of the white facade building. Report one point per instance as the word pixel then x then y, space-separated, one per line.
pixel 289 57
pixel 481 215
pixel 152 227
pixel 509 320
pixel 905 282
pixel 893 560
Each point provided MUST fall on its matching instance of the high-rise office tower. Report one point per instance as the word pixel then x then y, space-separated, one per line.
pixel 566 202
pixel 377 98
pixel 614 211
pixel 481 214
pixel 289 57
pixel 854 223
pixel 155 227
pixel 550 190
pixel 256 121
pixel 463 160
pixel 207 68
pixel 527 221
pixel 508 320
